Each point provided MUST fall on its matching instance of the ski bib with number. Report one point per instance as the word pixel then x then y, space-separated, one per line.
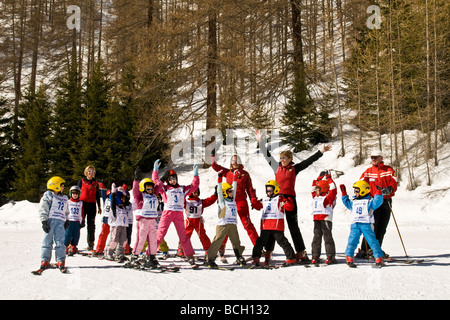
pixel 360 211
pixel 230 214
pixel 318 207
pixel 175 199
pixel 193 208
pixel 75 210
pixel 59 207
pixel 271 210
pixel 149 206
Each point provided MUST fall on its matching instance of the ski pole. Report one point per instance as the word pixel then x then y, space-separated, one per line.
pixel 395 221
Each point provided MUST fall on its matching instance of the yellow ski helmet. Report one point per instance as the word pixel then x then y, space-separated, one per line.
pixel 225 187
pixel 143 182
pixel 54 183
pixel 275 185
pixel 363 187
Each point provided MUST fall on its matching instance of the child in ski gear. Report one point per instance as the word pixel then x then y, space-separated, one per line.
pixel 194 207
pixel 106 211
pixel 118 221
pixel 53 213
pixel 286 174
pixel 362 208
pixel 130 214
pixel 387 179
pixel 76 221
pixel 324 200
pixel 226 225
pixel 90 195
pixel 244 189
pixel 272 223
pixel 144 193
pixel 173 196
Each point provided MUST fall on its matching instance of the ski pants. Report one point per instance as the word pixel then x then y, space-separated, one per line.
pixel 177 217
pixel 117 241
pixel 90 211
pixel 72 234
pixel 382 215
pixel 146 231
pixel 244 215
pixel 221 232
pixel 101 243
pixel 197 225
pixel 296 235
pixel 56 235
pixel 322 229
pixel 358 228
pixel 279 237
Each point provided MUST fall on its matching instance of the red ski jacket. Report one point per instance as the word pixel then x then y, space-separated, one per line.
pixel 329 199
pixel 385 175
pixel 285 176
pixel 278 224
pixel 244 182
pixel 90 191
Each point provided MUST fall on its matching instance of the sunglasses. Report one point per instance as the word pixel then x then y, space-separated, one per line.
pixel 356 190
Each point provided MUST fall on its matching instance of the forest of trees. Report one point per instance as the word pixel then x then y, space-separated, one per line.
pixel 111 93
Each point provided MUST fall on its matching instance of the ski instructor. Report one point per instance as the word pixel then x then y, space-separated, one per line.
pixel 286 175
pixel 387 179
pixel 90 195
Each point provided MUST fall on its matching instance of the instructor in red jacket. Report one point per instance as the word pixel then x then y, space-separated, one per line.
pixel 244 188
pixel 387 179
pixel 286 175
pixel 90 195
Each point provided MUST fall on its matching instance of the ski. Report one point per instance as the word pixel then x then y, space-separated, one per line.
pixel 39 271
pixel 406 260
pixel 157 270
pixel 351 264
pixel 217 268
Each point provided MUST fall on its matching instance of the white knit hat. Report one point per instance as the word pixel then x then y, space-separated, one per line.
pixel 376 153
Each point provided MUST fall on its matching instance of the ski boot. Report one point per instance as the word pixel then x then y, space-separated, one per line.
pixel 330 260
pixel 379 262
pixel 315 260
pixel 350 262
pixel 289 262
pixel 302 257
pixel 256 261
pixel 267 258
pixel 62 267
pixel 211 264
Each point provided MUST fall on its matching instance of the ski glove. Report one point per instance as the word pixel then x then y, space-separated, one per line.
pixel 45 226
pixel 343 189
pixel 66 224
pixel 386 191
pixel 156 165
pixel 195 170
pixel 256 204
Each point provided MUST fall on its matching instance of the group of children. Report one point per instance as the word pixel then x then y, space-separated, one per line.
pixel 62 219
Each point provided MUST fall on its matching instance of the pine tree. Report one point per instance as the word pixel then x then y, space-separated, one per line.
pixel 95 101
pixel 6 150
pixel 31 167
pixel 66 127
pixel 298 118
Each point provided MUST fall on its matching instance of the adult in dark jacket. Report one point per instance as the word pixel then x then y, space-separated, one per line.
pixel 285 175
pixel 90 195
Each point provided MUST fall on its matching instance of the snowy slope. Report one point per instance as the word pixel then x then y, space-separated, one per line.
pixel 422 217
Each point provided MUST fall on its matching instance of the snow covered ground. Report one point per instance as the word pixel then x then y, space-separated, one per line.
pixel 422 216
